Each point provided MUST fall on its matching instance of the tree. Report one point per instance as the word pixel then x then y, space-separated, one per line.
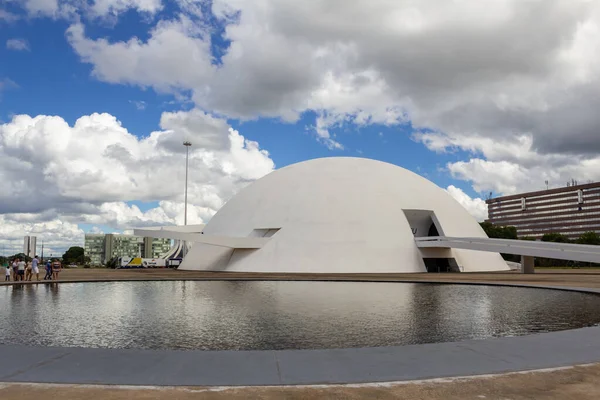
pixel 530 238
pixel 21 256
pixel 499 232
pixel 113 263
pixel 555 237
pixel 74 255
pixel 589 238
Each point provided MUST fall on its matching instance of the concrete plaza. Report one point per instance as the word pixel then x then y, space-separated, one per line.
pixel 577 382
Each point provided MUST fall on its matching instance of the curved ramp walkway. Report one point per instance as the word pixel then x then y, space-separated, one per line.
pixel 561 251
pixel 293 367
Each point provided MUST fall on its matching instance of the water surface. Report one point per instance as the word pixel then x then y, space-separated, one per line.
pixel 280 315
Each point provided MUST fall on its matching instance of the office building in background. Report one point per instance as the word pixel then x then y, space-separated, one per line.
pixel 571 210
pixel 103 247
pixel 29 246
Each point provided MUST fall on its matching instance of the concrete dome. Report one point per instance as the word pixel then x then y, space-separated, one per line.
pixel 340 215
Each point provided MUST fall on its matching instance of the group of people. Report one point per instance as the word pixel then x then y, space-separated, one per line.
pixel 24 271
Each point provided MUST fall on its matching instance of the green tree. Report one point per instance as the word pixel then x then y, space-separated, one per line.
pixel 74 255
pixel 499 232
pixel 555 237
pixel 589 238
pixel 21 256
pixel 530 238
pixel 113 263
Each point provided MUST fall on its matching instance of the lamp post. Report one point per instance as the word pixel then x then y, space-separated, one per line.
pixel 187 145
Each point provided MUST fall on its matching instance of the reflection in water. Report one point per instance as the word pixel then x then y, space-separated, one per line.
pixel 279 315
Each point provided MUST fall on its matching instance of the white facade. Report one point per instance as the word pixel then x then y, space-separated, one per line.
pixel 29 246
pixel 336 215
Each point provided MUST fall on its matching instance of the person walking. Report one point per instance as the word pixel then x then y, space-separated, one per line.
pixel 21 269
pixel 48 275
pixel 27 270
pixel 55 269
pixel 35 268
pixel 7 276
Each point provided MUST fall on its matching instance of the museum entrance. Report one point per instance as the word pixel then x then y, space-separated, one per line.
pixel 424 223
pixel 437 265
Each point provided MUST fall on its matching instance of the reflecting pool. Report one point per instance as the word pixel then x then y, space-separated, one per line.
pixel 217 315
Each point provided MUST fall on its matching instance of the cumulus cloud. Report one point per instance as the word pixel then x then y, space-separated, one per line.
pixel 106 7
pixel 475 206
pixel 74 9
pixel 42 7
pixel 17 44
pixel 513 84
pixel 86 173
pixel 471 68
pixel 511 165
pixel 175 58
pixel 57 234
pixel 7 16
pixel 140 105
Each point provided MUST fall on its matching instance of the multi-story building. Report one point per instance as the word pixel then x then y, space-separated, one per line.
pixel 94 248
pixel 123 246
pixel 29 246
pixel 155 247
pixel 101 248
pixel 571 211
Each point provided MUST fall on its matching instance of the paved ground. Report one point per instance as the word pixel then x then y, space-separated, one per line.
pixel 574 383
pixel 578 383
pixel 298 367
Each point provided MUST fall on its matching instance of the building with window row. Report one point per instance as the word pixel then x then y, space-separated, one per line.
pixel 103 247
pixel 571 211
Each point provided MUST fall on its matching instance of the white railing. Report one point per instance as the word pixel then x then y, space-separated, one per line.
pixel 561 251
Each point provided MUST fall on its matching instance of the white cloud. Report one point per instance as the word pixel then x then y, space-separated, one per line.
pixel 475 206
pixel 7 16
pixel 466 67
pixel 7 83
pixel 513 84
pixel 57 235
pixel 55 173
pixel 175 58
pixel 75 9
pixel 138 104
pixel 41 7
pixel 17 44
pixel 114 7
pixel 511 165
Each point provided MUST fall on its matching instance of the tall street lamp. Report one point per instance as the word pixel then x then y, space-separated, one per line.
pixel 187 145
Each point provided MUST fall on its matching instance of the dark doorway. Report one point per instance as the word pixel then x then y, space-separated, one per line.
pixel 423 223
pixel 441 265
pixel 433 230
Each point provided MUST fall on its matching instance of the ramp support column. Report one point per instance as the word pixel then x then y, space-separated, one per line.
pixel 527 266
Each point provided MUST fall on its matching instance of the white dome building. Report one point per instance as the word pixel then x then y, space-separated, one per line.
pixel 340 215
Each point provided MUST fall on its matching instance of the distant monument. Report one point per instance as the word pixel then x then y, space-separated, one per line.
pixel 29 246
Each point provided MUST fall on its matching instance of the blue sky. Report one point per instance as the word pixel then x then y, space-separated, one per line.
pixel 428 87
pixel 52 80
